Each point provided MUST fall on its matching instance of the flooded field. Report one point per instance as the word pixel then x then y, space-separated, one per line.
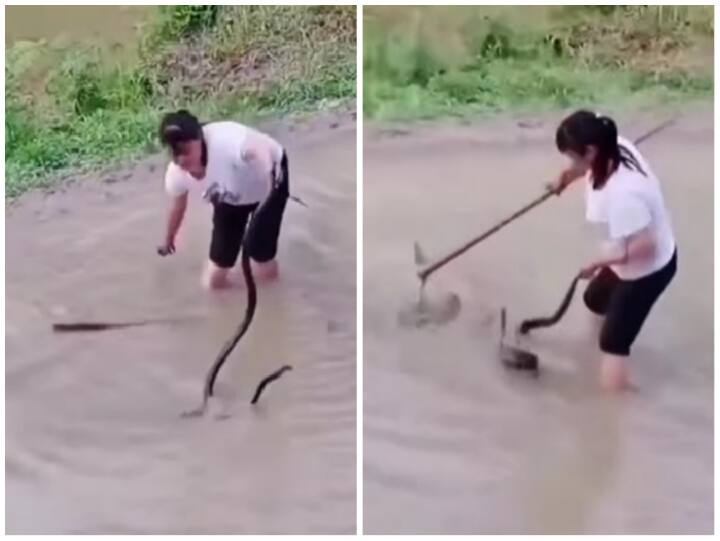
pixel 94 438
pixel 453 443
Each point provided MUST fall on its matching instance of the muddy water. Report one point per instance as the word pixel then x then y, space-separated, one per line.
pixel 106 24
pixel 455 444
pixel 94 441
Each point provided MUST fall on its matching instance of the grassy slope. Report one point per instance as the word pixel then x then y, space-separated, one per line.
pixel 429 61
pixel 73 107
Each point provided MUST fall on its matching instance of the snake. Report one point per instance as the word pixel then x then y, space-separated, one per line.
pixel 515 358
pixel 267 380
pixel 251 306
pixel 529 324
pixel 84 326
pixel 94 326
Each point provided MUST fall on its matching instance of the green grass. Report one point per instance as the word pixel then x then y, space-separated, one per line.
pixel 78 107
pixel 422 62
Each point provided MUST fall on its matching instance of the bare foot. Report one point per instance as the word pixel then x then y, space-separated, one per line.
pixel 614 375
pixel 620 387
pixel 215 278
pixel 232 279
pixel 262 273
pixel 266 272
pixel 236 279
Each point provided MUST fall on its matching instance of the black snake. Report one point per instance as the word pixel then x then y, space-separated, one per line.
pixel 267 380
pixel 515 358
pixel 209 387
pixel 529 324
pixel 91 326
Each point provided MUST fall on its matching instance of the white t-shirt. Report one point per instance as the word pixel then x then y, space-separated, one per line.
pixel 629 203
pixel 240 162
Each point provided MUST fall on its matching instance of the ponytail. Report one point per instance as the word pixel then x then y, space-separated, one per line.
pixel 583 129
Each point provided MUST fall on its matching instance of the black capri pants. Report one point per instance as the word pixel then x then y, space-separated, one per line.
pixel 625 304
pixel 230 222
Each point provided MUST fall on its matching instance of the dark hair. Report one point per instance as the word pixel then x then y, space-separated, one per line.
pixel 179 127
pixel 584 128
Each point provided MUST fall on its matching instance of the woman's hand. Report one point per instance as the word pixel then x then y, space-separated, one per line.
pixel 557 187
pixel 175 218
pixel 614 254
pixel 587 272
pixel 167 248
pixel 566 177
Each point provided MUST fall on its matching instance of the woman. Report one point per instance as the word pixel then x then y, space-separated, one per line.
pixel 233 167
pixel 640 259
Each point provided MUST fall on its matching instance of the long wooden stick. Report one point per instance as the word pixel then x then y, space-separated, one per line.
pixel 427 270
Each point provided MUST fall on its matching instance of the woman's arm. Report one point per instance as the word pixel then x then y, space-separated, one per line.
pixel 264 154
pixel 566 177
pixel 634 248
pixel 175 218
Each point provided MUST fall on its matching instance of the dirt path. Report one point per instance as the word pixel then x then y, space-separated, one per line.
pixel 453 444
pixel 94 442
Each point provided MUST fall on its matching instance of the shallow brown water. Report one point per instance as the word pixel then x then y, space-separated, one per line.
pixel 455 444
pixel 94 441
